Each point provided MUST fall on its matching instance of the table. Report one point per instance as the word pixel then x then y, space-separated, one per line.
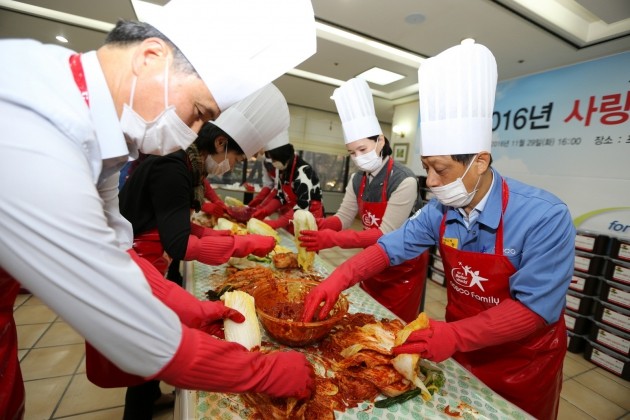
pixel 461 386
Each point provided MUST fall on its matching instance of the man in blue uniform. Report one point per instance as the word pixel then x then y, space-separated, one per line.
pixel 507 247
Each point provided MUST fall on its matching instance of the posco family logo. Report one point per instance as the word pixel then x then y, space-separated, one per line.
pixel 466 277
pixel 369 219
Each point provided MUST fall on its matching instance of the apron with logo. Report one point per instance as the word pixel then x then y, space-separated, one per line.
pixel 11 383
pixel 99 369
pixel 527 372
pixel 399 288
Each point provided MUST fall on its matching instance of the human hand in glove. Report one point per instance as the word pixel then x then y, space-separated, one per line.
pixel 265 210
pixel 205 363
pixel 213 209
pixel 315 240
pixel 332 222
pixel 365 264
pixel 508 321
pixel 212 316
pixel 259 245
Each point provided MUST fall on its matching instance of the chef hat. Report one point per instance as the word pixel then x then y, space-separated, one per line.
pixel 256 119
pixel 238 46
pixel 356 109
pixel 278 141
pixel 457 90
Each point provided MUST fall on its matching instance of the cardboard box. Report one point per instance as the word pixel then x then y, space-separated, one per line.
pixel 579 303
pixel 585 283
pixel 576 323
pixel 611 338
pixel 589 263
pixel 615 293
pixel 607 359
pixel 618 271
pixel 592 242
pixel 620 249
pixel 612 315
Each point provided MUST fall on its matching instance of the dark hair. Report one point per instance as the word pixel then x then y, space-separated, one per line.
pixel 281 154
pixel 387 150
pixel 466 158
pixel 127 32
pixel 208 133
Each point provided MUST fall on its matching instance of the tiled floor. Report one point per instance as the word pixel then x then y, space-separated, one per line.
pixel 52 360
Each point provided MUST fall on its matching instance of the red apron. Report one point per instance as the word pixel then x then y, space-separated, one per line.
pixel 315 206
pixel 100 370
pixel 11 383
pixel 527 372
pixel 399 288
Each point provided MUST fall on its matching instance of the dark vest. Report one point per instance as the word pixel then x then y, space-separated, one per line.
pixel 372 191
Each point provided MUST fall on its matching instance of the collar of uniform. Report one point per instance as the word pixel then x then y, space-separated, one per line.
pixel 492 200
pixel 108 132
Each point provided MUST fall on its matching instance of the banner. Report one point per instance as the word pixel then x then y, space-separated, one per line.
pixel 568 132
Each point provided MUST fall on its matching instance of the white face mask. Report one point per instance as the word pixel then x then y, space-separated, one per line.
pixel 368 162
pixel 165 134
pixel 217 169
pixel 455 193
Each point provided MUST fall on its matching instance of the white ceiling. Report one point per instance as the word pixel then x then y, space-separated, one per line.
pixel 523 41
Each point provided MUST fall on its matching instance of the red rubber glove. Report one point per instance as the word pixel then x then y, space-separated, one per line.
pixel 210 194
pixel 200 231
pixel 216 250
pixel 259 245
pixel 315 240
pixel 205 363
pixel 332 222
pixel 508 321
pixel 282 221
pixel 361 266
pixel 260 197
pixel 270 207
pixel 213 209
pixel 190 310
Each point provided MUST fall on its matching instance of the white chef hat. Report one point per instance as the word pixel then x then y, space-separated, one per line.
pixel 457 89
pixel 278 141
pixel 356 109
pixel 238 46
pixel 256 119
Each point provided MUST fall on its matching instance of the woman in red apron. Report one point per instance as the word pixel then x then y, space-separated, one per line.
pixel 299 186
pixel 384 193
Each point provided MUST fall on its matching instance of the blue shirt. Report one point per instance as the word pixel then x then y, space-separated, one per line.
pixel 538 239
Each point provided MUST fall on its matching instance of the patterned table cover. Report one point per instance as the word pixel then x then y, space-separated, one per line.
pixel 463 389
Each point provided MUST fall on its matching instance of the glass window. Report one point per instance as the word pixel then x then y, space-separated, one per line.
pixel 331 169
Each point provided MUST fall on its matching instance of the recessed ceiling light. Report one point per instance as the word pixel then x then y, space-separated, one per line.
pixel 61 38
pixel 380 76
pixel 415 18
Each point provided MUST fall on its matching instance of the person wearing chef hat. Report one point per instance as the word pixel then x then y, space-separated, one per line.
pixel 384 193
pixel 507 247
pixel 161 190
pixel 148 89
pixel 297 185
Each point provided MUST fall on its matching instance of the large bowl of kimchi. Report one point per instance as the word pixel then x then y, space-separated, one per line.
pixel 280 306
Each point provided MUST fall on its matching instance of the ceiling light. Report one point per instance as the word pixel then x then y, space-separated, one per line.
pixel 380 76
pixel 468 41
pixel 61 38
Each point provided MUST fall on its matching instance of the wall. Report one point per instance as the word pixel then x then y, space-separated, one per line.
pixel 319 131
pixel 406 116
pixel 567 131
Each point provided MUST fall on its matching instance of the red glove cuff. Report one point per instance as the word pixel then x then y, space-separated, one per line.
pixel 332 223
pixel 211 250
